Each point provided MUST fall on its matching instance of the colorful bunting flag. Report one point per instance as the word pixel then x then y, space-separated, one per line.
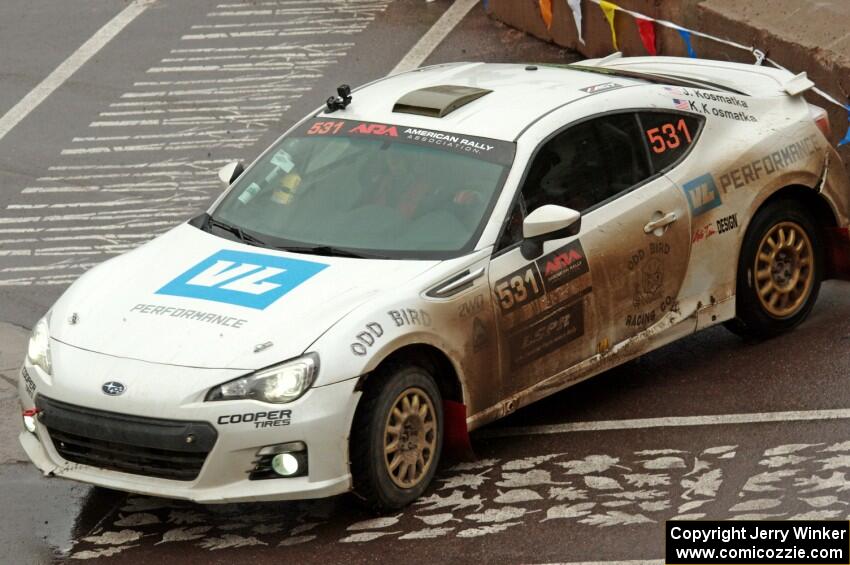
pixel 846 139
pixel 546 12
pixel 646 29
pixel 686 37
pixel 609 8
pixel 575 6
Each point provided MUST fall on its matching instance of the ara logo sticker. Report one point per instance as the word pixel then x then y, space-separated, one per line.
pixel 563 265
pixel 375 129
pixel 253 280
pixel 601 87
pixel 702 194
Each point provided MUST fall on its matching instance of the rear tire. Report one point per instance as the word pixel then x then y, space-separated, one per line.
pixel 397 437
pixel 779 271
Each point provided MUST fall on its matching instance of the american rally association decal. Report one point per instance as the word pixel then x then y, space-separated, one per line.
pixel 563 265
pixel 480 147
pixel 252 280
pixel 532 281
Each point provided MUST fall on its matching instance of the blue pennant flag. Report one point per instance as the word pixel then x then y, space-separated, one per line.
pixel 846 139
pixel 686 37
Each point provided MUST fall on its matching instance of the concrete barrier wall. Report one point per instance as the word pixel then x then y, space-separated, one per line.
pixel 525 15
pixel 802 35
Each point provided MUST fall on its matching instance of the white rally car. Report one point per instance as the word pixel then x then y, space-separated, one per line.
pixel 450 245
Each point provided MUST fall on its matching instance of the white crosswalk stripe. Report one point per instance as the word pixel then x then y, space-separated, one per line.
pixel 142 166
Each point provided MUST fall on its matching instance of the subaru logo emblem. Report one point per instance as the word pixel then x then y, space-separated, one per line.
pixel 113 388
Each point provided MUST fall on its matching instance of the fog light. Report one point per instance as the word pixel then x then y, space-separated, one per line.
pixel 29 419
pixel 284 460
pixel 285 464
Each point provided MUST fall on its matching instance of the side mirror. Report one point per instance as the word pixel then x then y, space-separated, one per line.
pixel 230 172
pixel 545 223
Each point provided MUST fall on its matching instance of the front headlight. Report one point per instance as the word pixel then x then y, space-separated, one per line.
pixel 38 350
pixel 279 384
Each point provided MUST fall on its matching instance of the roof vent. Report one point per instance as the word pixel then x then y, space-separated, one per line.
pixel 437 101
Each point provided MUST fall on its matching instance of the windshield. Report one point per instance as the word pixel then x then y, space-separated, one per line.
pixel 391 191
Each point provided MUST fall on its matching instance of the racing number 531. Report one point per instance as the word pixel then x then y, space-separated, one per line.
pixel 323 128
pixel 518 288
pixel 666 136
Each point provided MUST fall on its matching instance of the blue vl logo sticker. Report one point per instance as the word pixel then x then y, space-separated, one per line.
pixel 702 194
pixel 253 280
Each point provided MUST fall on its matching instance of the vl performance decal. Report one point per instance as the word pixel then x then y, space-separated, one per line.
pixel 252 280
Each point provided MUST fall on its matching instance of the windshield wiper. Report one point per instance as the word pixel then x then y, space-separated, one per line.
pixel 326 250
pixel 330 251
pixel 237 231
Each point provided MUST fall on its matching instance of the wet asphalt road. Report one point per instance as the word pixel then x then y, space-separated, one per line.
pixel 82 161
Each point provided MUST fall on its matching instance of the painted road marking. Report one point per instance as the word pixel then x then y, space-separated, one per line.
pixel 144 164
pixel 669 422
pixel 588 489
pixel 70 65
pixel 224 85
pixel 434 36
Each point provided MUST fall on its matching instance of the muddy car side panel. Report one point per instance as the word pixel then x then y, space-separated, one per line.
pixel 745 127
pixel 546 317
pixel 459 326
pixel 740 164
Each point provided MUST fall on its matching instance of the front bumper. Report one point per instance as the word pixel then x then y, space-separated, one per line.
pixel 321 419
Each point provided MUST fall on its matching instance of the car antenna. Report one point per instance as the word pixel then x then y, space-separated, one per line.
pixel 342 101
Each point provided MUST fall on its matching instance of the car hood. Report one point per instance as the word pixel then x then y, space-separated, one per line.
pixel 193 299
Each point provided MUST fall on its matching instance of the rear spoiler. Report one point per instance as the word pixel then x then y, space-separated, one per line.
pixel 798 84
pixel 604 60
pixel 792 86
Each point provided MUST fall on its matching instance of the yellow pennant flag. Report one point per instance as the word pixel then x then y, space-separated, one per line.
pixel 546 12
pixel 608 8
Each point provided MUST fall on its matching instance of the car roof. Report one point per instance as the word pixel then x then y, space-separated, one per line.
pixel 519 96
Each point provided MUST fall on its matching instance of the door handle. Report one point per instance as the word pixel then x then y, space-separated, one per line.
pixel 661 222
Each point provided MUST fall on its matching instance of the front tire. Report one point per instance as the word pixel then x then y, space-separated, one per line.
pixel 779 271
pixel 397 437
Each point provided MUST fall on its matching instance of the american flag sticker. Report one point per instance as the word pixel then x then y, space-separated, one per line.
pixel 675 90
pixel 680 104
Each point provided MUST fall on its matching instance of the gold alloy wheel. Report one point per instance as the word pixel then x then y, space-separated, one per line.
pixel 410 437
pixel 784 269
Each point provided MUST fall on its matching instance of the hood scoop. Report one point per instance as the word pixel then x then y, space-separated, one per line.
pixel 438 101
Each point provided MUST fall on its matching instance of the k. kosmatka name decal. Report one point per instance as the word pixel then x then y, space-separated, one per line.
pixel 253 280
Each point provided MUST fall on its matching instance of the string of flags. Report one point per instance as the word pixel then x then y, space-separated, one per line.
pixel 646 31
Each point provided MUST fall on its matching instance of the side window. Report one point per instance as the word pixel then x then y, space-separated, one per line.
pixel 669 136
pixel 583 166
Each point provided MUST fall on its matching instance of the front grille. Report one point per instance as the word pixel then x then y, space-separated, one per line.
pixel 166 449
